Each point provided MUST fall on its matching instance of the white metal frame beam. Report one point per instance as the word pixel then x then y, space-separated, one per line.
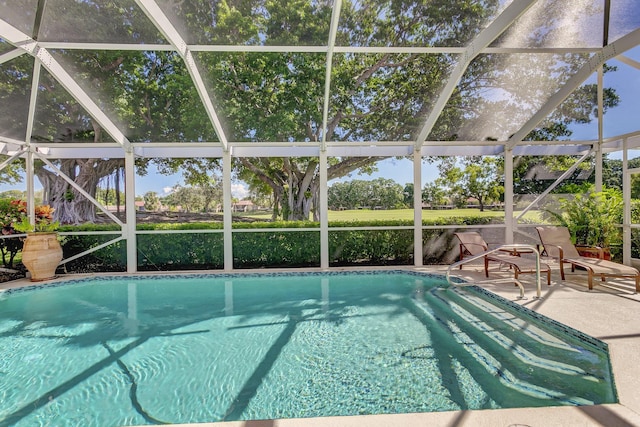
pixel 557 182
pixel 610 51
pixel 5 140
pixel 92 249
pixel 418 253
pixel 29 45
pixel 12 54
pixel 323 162
pixel 600 118
pixel 10 159
pixel 626 60
pixel 164 25
pixel 33 97
pixel 626 197
pixel 482 40
pixel 333 30
pixel 129 229
pixel 509 222
pixel 227 218
pixel 313 49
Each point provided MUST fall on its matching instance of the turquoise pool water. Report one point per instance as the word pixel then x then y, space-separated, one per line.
pixel 185 349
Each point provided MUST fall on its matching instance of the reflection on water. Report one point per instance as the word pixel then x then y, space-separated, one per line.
pixel 212 348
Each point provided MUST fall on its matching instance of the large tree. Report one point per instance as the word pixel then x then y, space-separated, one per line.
pixel 380 193
pixel 278 96
pixel 479 178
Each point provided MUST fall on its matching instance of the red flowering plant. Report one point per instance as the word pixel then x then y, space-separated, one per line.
pixel 44 218
pixel 11 212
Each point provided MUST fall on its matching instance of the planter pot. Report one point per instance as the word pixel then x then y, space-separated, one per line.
pixel 41 254
pixel 593 252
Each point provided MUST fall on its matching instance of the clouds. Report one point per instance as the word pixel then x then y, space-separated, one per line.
pixel 165 185
pixel 239 190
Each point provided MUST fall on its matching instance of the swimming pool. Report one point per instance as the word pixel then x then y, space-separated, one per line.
pixel 184 349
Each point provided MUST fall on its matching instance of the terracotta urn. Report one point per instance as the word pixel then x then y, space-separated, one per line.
pixel 594 252
pixel 41 254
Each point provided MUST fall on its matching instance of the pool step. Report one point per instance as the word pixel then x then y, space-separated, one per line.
pixel 509 338
pixel 494 352
pixel 508 327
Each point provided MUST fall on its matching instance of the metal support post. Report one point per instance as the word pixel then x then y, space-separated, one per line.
pixel 226 214
pixel 323 208
pixel 509 221
pixel 129 228
pixel 417 208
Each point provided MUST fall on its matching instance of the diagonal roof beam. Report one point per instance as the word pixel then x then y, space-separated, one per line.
pixel 308 48
pixel 482 40
pixel 29 45
pixel 628 61
pixel 610 51
pixel 12 54
pixel 335 19
pixel 164 25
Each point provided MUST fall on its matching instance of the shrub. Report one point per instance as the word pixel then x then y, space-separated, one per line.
pixel 264 248
pixel 110 258
pixel 592 218
pixel 9 246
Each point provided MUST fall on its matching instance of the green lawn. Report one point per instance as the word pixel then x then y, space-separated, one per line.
pixel 366 214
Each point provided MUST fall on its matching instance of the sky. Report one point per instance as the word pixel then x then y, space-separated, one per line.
pixel 399 170
pixel 622 119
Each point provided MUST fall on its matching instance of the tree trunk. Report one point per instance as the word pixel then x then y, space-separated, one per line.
pixel 297 190
pixel 116 184
pixel 72 207
pixel 277 199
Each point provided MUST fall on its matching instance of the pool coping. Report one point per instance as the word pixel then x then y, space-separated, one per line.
pixel 566 303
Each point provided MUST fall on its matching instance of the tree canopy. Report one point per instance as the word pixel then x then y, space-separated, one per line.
pixel 278 96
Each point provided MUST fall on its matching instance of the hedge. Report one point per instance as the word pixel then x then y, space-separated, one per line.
pixel 107 259
pixel 264 248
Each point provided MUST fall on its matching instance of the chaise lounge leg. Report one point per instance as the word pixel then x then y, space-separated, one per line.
pixel 590 279
pixel 486 266
pixel 549 277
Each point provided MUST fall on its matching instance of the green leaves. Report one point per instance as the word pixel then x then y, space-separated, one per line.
pixel 379 193
pixel 479 178
pixel 592 218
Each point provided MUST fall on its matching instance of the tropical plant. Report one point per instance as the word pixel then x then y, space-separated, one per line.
pixel 592 218
pixel 43 219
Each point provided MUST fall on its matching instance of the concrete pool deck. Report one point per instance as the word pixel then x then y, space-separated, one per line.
pixel 610 312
